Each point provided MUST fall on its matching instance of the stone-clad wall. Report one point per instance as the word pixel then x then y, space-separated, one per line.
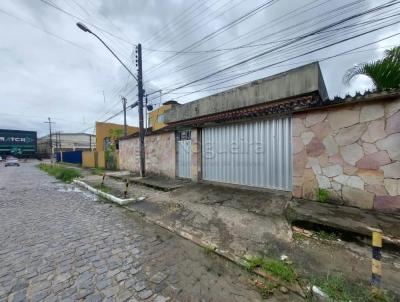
pixel 159 152
pixel 351 150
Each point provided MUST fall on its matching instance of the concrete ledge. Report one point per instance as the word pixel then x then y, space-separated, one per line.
pixel 107 196
pixel 155 182
pixel 345 218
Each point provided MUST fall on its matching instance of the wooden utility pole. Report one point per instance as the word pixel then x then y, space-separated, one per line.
pixel 140 107
pixel 51 139
pixel 124 108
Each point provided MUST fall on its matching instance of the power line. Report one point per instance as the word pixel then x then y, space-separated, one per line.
pixel 347 52
pixel 43 30
pixel 246 34
pixel 47 2
pixel 181 35
pixel 217 32
pixel 259 55
pixel 273 23
pixel 249 44
pixel 176 21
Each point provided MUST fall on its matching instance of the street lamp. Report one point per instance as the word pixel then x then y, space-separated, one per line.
pixel 85 29
pixel 139 80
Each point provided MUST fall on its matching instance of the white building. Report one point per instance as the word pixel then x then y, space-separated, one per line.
pixel 66 142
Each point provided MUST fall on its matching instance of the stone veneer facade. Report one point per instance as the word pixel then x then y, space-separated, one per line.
pixel 353 151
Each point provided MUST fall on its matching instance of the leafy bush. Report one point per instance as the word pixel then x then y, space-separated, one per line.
pixel 59 172
pixel 322 195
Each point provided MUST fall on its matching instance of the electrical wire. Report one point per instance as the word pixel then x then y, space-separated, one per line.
pixel 43 30
pixel 298 38
pixel 217 32
pixel 249 44
pixel 51 4
pixel 347 52
pixel 258 69
pixel 181 16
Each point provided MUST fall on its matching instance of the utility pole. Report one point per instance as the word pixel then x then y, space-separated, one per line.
pixel 51 140
pixel 59 140
pixel 140 107
pixel 139 79
pixel 124 107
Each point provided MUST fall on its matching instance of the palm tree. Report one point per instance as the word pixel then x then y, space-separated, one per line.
pixel 385 73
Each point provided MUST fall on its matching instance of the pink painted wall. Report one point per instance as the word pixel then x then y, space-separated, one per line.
pixel 352 151
pixel 159 152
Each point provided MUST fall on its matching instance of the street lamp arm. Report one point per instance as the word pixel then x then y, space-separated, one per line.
pixel 84 28
pixel 134 105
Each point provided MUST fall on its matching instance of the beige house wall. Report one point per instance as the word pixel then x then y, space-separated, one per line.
pixel 160 154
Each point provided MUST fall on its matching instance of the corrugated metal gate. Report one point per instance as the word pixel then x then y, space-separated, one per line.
pixel 254 154
pixel 184 158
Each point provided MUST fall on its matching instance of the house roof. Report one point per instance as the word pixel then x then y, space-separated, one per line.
pixel 281 107
pixel 289 105
pixel 68 134
pixel 297 82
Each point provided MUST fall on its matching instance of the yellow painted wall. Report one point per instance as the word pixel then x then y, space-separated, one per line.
pixel 101 159
pixel 153 117
pixel 103 131
pixel 89 159
pixel 117 157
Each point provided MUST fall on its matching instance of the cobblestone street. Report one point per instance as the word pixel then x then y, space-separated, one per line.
pixel 58 243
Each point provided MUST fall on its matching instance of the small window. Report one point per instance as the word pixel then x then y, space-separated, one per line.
pixel 184 135
pixel 160 118
pixel 107 143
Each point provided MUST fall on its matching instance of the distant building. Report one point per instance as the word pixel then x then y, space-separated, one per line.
pixel 156 117
pixel 104 133
pixel 18 142
pixel 66 142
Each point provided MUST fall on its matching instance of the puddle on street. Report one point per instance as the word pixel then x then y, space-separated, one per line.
pixel 67 188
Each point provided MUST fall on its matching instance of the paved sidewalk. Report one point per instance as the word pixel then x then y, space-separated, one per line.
pixel 60 244
pixel 242 222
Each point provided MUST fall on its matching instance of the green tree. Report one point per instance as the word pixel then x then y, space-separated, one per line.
pixel 385 72
pixel 115 135
pixel 110 156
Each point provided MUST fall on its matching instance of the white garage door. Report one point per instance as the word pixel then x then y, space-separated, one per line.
pixel 254 154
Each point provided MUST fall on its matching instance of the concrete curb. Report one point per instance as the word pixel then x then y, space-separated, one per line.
pixel 107 196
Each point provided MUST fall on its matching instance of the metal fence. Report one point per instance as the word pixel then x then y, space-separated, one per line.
pixel 254 153
pixel 184 158
pixel 72 157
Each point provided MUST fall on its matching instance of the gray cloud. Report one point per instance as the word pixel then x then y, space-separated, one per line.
pixel 45 76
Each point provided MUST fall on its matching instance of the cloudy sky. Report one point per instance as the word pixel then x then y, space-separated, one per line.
pixel 191 49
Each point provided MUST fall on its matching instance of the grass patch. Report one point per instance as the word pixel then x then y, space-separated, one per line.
pixel 340 289
pixel 60 172
pixel 322 195
pixel 208 250
pixel 103 188
pixel 299 237
pixel 97 171
pixel 326 235
pixel 277 268
pixel 267 290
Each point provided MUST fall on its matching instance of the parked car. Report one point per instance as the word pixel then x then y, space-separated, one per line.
pixel 1 159
pixel 11 161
